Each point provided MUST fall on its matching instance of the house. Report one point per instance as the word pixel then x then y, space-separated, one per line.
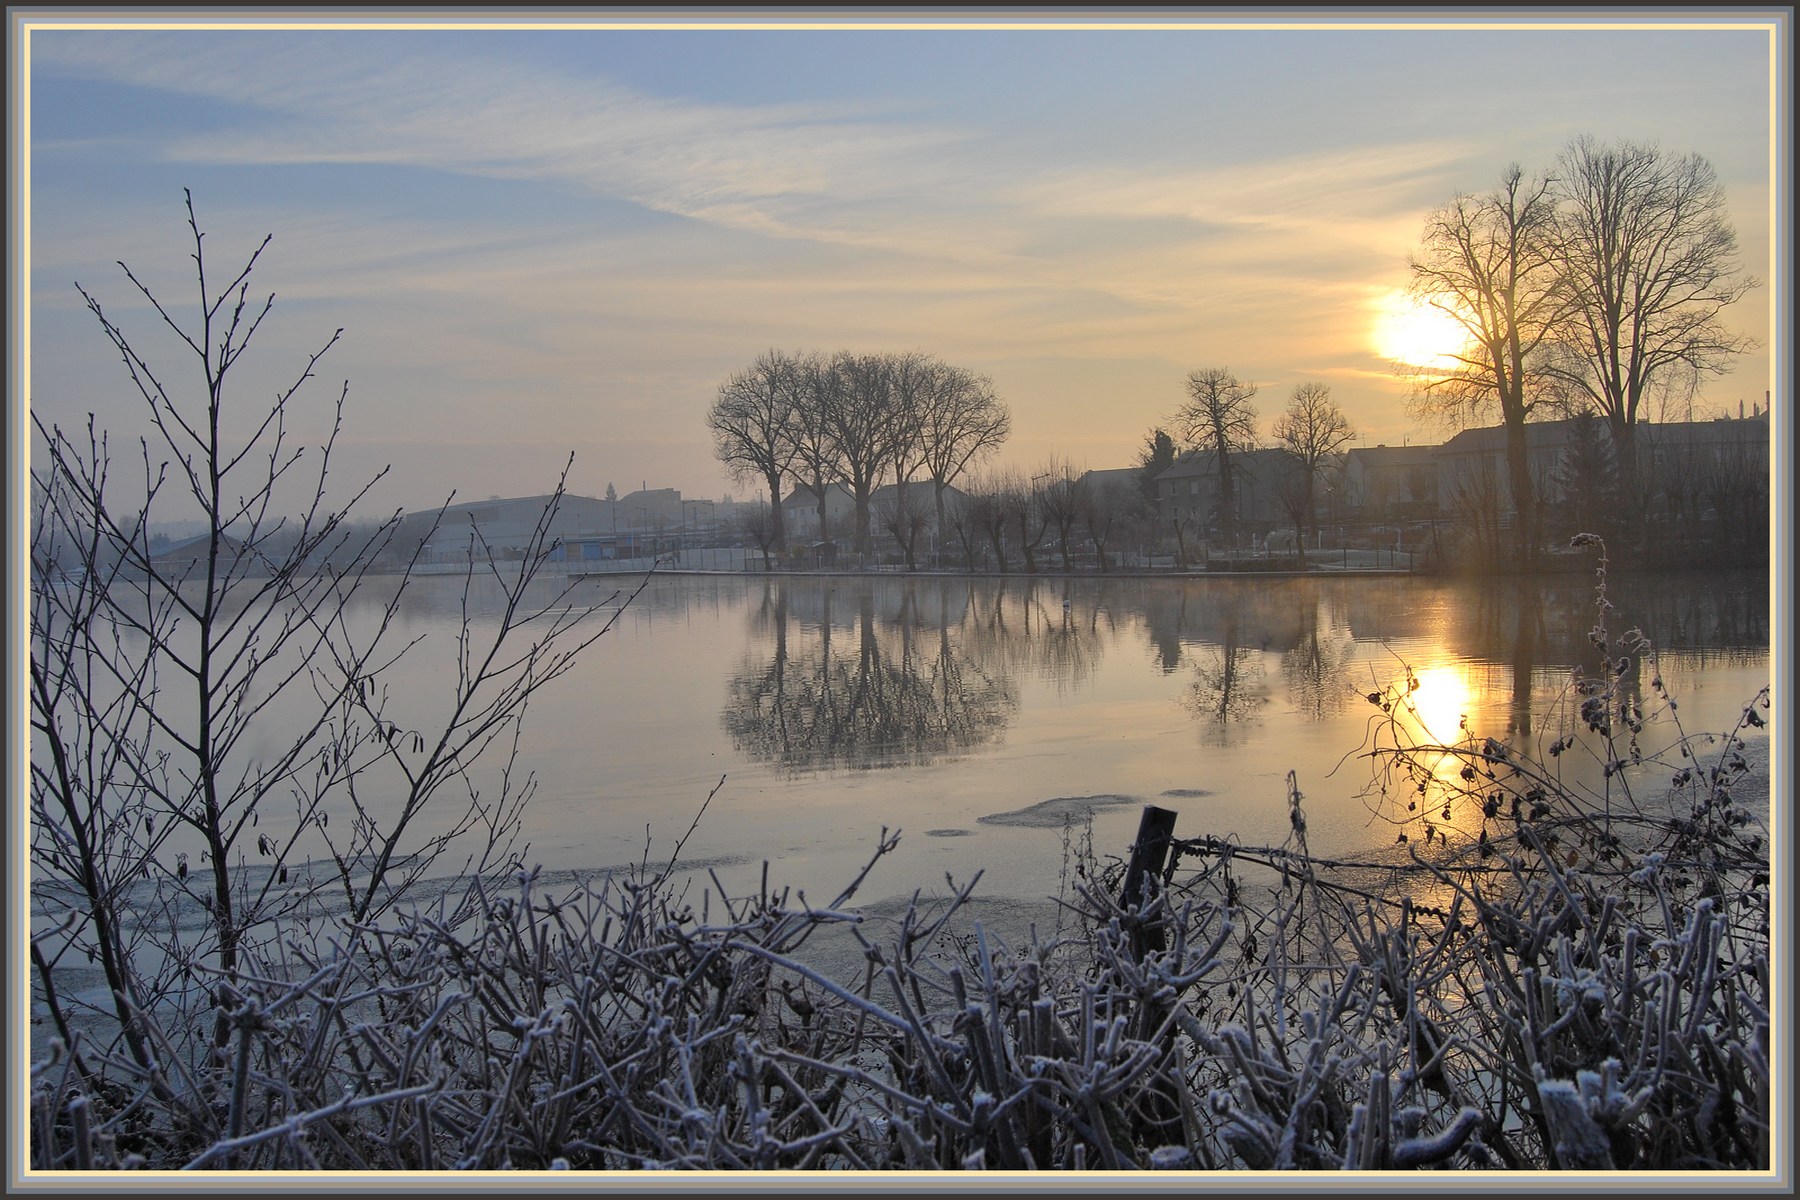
pixel 1387 483
pixel 800 514
pixel 505 526
pixel 1475 459
pixel 178 561
pixel 921 494
pixel 1188 491
pixel 1128 478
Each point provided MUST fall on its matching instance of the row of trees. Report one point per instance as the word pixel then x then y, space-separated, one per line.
pixel 1004 517
pixel 1068 509
pixel 1596 286
pixel 815 420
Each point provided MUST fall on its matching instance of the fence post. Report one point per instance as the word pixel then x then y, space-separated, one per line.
pixel 1148 855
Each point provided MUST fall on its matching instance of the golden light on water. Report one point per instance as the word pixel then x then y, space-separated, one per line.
pixel 1440 702
pixel 1417 335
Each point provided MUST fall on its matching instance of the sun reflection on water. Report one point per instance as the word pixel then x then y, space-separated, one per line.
pixel 1441 702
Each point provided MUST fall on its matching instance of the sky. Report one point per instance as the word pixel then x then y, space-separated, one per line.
pixel 551 241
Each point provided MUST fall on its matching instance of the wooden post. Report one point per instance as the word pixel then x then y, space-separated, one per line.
pixel 1161 1111
pixel 1148 855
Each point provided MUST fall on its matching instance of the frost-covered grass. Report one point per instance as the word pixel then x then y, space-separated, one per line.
pixel 1557 976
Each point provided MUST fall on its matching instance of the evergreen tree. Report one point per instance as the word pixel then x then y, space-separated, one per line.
pixel 1586 480
pixel 1157 456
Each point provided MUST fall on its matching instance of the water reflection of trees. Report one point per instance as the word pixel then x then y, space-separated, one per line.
pixel 1228 679
pixel 853 678
pixel 1317 666
pixel 857 672
pixel 1030 626
pixel 1722 617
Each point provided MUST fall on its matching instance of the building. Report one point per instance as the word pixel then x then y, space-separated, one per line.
pixel 505 526
pixel 800 514
pixel 1669 454
pixel 1386 483
pixel 1188 491
pixel 187 558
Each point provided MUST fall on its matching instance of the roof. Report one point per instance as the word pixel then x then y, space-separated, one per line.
pixel 199 544
pixel 801 494
pixel 1393 456
pixel 1125 475
pixel 1200 463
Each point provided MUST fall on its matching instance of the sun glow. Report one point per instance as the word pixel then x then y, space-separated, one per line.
pixel 1417 335
pixel 1440 703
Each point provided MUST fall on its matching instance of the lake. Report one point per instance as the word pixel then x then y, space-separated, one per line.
pixel 977 714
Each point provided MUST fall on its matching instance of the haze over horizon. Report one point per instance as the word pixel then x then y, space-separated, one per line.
pixel 541 242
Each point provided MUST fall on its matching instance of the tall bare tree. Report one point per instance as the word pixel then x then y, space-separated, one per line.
pixel 1490 263
pixel 1312 430
pixel 1650 263
pixel 862 419
pixel 815 448
pixel 754 423
pixel 913 378
pixel 1059 498
pixel 905 518
pixel 1219 419
pixel 960 422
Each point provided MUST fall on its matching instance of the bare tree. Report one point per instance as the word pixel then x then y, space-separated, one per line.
pixel 754 423
pixel 865 423
pixel 1219 418
pixel 1107 510
pixel 1490 263
pixel 988 511
pixel 960 422
pixel 197 719
pixel 761 523
pixel 1019 498
pixel 1312 431
pixel 815 448
pixel 905 517
pixel 913 379
pixel 1059 502
pixel 1649 262
pixel 963 515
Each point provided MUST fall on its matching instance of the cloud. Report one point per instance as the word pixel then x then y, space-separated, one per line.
pixel 324 98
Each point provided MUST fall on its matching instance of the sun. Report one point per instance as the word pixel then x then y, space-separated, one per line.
pixel 1417 335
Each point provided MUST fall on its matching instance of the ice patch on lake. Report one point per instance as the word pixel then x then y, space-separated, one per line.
pixel 1053 814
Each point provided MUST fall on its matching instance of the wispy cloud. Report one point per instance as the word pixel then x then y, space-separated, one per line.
pixel 348 99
